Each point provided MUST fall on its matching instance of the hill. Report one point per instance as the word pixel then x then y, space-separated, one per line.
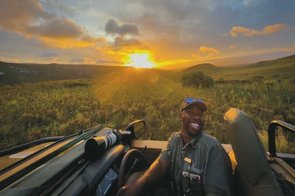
pixel 277 68
pixel 283 61
pixel 14 73
pixel 206 68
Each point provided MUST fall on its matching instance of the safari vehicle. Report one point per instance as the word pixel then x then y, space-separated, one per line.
pixel 100 160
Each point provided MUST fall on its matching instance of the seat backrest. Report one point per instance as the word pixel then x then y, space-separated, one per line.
pixel 254 176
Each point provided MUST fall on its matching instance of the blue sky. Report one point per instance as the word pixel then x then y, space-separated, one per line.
pixel 175 33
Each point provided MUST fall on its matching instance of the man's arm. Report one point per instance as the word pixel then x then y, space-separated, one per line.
pixel 151 177
pixel 154 174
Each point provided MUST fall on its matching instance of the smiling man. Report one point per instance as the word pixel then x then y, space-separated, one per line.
pixel 196 162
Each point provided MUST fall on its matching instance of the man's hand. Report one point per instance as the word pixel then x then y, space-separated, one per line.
pixel 150 178
pixel 131 189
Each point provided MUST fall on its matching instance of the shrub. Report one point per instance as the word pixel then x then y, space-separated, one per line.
pixel 197 80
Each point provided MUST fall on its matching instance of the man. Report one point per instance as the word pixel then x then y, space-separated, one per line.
pixel 197 163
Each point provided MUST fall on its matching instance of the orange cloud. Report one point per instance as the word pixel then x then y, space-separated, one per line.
pixel 28 19
pixel 267 30
pixel 16 15
pixel 232 46
pixel 270 29
pixel 57 28
pixel 67 43
pixel 83 60
pixel 207 51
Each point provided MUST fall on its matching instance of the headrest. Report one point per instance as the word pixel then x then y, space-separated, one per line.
pixel 248 149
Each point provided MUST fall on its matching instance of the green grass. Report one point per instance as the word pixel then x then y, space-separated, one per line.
pixel 31 111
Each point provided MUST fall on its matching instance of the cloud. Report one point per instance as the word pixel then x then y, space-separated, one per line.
pixel 10 59
pixel 57 28
pixel 61 7
pixel 254 3
pixel 267 30
pixel 48 55
pixel 16 15
pixel 28 19
pixel 232 46
pixel 208 51
pixel 288 49
pixel 123 35
pixel 112 27
pixel 106 61
pixel 82 60
pixel 122 42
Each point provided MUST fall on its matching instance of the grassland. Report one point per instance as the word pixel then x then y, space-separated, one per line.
pixel 34 110
pixel 31 111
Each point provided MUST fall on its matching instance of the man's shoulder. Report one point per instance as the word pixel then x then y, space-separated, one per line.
pixel 208 140
pixel 172 143
pixel 174 136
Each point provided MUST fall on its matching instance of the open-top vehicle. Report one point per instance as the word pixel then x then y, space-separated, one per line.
pixel 100 160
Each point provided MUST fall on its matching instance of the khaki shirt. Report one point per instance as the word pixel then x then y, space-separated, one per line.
pixel 201 167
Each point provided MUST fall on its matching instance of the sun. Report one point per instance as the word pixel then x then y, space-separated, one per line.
pixel 140 60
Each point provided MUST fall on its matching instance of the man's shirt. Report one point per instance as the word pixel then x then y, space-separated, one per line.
pixel 198 167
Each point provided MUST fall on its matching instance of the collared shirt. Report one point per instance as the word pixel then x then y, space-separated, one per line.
pixel 200 167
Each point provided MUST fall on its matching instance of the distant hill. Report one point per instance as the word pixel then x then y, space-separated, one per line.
pixel 13 73
pixel 206 68
pixel 277 68
pixel 285 60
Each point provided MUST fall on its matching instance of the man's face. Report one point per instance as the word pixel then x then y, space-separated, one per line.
pixel 192 120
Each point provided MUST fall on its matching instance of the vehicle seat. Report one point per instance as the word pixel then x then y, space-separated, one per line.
pixel 253 173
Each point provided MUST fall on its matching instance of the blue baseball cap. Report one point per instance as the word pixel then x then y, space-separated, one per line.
pixel 191 100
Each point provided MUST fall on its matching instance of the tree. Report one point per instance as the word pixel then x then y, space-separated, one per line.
pixel 197 80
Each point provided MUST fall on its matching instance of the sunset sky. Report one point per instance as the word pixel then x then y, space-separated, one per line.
pixel 173 33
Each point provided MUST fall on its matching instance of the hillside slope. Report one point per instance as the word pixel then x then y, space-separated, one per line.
pixel 282 67
pixel 206 68
pixel 13 73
